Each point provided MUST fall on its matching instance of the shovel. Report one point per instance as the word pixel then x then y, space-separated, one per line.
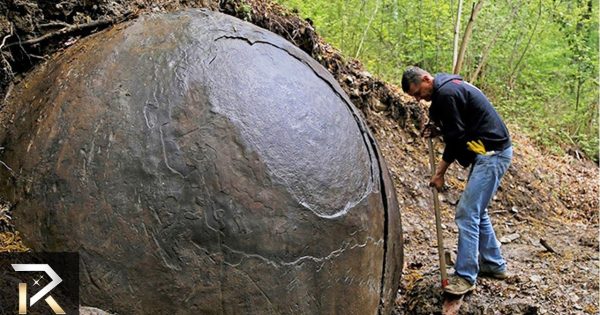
pixel 451 304
pixel 438 220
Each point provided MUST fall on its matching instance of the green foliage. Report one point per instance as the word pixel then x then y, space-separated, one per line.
pixel 246 11
pixel 541 70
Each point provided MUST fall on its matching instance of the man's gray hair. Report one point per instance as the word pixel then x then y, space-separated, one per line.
pixel 412 75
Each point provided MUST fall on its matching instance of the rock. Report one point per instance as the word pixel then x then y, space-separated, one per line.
pixel 509 238
pixel 573 297
pixel 366 74
pixel 377 105
pixel 348 79
pixel 453 198
pixel 200 163
pixel 85 310
pixel 535 278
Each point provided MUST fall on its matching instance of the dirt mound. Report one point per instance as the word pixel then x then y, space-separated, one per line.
pixel 542 196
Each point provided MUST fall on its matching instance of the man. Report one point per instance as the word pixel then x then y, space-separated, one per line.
pixel 474 135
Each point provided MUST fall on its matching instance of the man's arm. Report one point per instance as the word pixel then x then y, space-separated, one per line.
pixel 437 180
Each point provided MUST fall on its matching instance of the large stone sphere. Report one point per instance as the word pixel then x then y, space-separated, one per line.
pixel 202 165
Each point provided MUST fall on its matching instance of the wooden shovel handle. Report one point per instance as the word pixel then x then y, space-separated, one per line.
pixel 438 219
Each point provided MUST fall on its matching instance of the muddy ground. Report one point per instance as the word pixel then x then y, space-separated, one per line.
pixel 548 197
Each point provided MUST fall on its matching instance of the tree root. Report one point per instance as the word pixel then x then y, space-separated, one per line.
pixel 73 29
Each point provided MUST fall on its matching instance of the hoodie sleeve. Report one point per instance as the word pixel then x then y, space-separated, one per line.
pixel 452 125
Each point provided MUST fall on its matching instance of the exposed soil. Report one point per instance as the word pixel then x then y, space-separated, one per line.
pixel 541 197
pixel 548 197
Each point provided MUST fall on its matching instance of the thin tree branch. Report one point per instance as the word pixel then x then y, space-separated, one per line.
pixel 9 169
pixel 489 47
pixel 548 247
pixel 55 24
pixel 514 70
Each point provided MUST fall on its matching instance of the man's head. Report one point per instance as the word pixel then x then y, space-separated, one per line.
pixel 417 83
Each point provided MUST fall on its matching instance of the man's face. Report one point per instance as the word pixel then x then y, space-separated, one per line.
pixel 422 90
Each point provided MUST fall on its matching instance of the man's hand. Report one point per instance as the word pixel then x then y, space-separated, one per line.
pixel 430 131
pixel 437 181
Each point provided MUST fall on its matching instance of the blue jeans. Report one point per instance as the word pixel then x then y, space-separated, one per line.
pixel 476 238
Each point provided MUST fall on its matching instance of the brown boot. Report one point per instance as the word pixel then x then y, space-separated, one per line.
pixel 488 272
pixel 458 285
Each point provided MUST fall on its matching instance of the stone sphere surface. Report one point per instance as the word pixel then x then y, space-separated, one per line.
pixel 202 165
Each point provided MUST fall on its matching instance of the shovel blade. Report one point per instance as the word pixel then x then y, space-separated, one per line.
pixel 451 304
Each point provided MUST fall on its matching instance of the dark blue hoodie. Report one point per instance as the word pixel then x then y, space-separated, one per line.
pixel 463 113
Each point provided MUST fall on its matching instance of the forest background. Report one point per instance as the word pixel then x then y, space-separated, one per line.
pixel 537 61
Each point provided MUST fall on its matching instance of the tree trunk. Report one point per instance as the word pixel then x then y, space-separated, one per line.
pixel 456 32
pixel 467 36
